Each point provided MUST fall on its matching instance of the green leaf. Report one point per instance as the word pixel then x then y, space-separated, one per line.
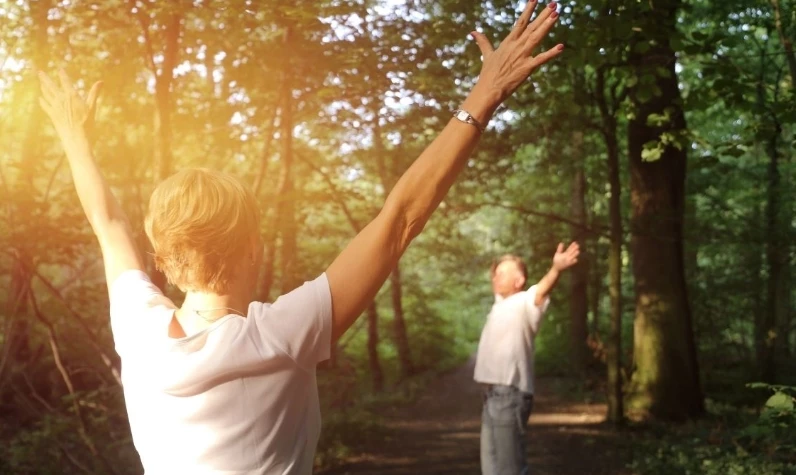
pixel 644 93
pixel 641 48
pixel 780 401
pixel 652 151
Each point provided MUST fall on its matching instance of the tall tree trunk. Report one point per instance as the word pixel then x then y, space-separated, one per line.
pixel 776 261
pixel 388 181
pixel 271 234
pixel 616 411
pixel 595 290
pixel 164 77
pixel 767 337
pixel 15 335
pixel 579 298
pixel 608 108
pixel 666 379
pixel 163 98
pixel 758 281
pixel 376 374
pixel 399 324
pixel 286 210
pixel 786 41
pixel 785 307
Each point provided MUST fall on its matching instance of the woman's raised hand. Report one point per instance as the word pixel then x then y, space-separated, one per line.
pixel 505 68
pixel 69 113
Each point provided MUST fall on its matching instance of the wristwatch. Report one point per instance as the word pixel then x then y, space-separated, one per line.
pixel 467 118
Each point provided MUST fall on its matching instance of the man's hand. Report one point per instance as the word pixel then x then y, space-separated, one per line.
pixel 70 114
pixel 564 259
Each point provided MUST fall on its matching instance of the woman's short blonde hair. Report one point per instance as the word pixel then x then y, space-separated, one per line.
pixel 201 224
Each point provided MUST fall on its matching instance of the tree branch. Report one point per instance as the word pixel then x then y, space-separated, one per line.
pixel 70 387
pixel 599 230
pixel 144 22
pixel 269 136
pixel 109 362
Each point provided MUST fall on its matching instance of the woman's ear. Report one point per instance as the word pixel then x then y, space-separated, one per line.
pixel 519 282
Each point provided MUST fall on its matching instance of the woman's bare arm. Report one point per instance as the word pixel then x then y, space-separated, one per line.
pixel 360 270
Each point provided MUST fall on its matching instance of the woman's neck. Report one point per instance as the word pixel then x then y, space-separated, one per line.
pixel 213 306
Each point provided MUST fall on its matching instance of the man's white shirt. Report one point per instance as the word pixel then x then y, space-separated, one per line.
pixel 506 349
pixel 239 397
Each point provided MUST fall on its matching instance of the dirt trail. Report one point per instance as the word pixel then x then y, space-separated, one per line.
pixel 438 434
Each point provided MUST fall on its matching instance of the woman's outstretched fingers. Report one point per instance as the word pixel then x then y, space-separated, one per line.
pixel 540 19
pixel 522 21
pixel 483 43
pixel 535 37
pixel 546 56
pixel 66 83
pixel 93 94
pixel 46 107
pixel 48 88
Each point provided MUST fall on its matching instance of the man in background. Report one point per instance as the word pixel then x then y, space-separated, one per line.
pixel 505 360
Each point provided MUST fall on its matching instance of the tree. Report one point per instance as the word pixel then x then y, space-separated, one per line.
pixel 666 377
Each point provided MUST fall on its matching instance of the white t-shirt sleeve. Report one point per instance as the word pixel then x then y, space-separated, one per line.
pixel 300 323
pixel 535 312
pixel 132 297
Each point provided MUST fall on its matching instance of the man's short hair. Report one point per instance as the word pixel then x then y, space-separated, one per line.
pixel 510 257
pixel 201 223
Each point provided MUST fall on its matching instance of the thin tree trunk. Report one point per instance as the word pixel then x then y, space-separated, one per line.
pixel 376 374
pixel 767 339
pixel 785 316
pixel 286 208
pixel 613 348
pixel 768 334
pixel 579 298
pixel 786 41
pixel 666 380
pixel 399 324
pixel 784 307
pixel 164 77
pixel 758 282
pixel 616 412
pixel 15 345
pixel 595 290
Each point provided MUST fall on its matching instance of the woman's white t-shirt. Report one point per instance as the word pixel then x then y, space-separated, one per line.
pixel 239 397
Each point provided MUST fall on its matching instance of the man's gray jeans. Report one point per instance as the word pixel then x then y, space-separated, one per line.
pixel 504 423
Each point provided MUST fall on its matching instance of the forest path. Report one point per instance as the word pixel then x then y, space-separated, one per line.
pixel 439 433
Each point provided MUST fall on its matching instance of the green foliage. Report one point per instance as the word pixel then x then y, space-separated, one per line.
pixel 731 440
pixel 53 442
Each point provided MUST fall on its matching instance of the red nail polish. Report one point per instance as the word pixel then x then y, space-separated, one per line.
pixel 554 15
pixel 552 5
pixel 560 47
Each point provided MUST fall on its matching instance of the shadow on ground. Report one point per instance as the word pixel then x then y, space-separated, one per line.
pixel 439 434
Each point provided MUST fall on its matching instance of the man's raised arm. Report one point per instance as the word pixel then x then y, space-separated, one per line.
pixel 562 260
pixel 360 270
pixel 71 115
